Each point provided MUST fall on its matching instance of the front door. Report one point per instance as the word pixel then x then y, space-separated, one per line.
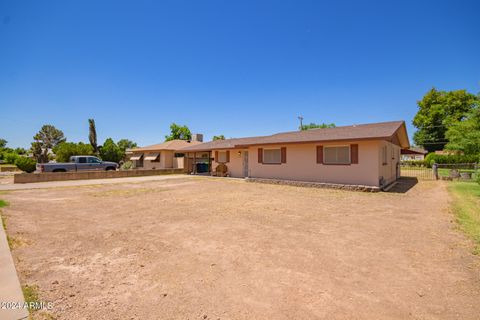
pixel 245 164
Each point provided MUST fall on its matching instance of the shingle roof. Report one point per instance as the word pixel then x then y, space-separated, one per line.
pixel 414 150
pixel 167 145
pixel 221 144
pixel 381 130
pixel 353 132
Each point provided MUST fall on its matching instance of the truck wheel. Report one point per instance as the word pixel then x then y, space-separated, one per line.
pixel 59 170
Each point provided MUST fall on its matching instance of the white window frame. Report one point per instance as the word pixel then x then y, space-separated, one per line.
pixel 338 146
pixel 272 149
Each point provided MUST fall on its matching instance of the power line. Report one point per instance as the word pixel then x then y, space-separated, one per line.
pixel 424 143
pixel 442 125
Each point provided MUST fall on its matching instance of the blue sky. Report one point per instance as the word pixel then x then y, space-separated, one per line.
pixel 238 68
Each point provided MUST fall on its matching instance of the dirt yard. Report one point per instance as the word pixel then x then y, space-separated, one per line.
pixel 201 248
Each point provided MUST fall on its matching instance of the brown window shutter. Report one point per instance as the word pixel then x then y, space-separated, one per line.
pixel 228 155
pixel 260 155
pixel 216 156
pixel 354 153
pixel 284 154
pixel 319 154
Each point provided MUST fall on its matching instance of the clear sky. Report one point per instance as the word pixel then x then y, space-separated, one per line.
pixel 238 68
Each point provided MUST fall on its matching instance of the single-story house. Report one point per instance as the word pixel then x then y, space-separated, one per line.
pixel 413 154
pixel 365 154
pixel 160 156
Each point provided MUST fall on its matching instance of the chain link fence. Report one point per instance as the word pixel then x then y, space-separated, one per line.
pixel 456 171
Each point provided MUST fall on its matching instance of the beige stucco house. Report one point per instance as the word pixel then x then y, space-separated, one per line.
pixel 160 156
pixel 366 154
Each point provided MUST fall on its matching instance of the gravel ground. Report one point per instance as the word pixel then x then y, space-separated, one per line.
pixel 209 248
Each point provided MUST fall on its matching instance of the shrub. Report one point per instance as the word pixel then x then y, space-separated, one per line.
pixel 414 163
pixel 25 164
pixel 65 150
pixel 450 159
pixel 10 157
pixel 127 165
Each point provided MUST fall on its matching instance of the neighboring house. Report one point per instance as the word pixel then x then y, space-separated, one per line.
pixel 413 154
pixel 367 154
pixel 160 156
pixel 448 152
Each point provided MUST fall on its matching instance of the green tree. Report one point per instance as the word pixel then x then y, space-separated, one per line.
pixel 316 126
pixel 437 111
pixel 110 151
pixel 465 135
pixel 219 137
pixel 25 164
pixel 10 157
pixel 46 139
pixel 65 150
pixel 20 151
pixel 92 135
pixel 3 148
pixel 178 132
pixel 125 144
pixel 37 152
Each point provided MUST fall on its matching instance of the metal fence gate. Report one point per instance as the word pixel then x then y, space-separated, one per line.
pixel 419 172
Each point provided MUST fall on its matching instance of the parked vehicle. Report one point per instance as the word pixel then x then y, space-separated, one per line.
pixel 78 163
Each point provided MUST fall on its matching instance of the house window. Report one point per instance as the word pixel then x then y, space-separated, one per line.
pixel 222 157
pixel 273 156
pixel 153 157
pixel 179 155
pixel 138 158
pixel 384 155
pixel 336 155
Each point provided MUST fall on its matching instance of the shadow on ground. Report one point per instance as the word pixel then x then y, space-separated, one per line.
pixel 403 185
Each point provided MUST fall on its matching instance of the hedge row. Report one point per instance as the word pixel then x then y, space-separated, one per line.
pixel 450 159
pixel 414 163
pixel 442 159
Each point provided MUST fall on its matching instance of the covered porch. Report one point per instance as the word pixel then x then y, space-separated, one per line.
pixel 199 162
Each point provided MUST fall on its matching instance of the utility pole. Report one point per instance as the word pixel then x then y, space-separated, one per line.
pixel 301 122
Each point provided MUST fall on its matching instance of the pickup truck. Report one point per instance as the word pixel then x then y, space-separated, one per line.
pixel 78 163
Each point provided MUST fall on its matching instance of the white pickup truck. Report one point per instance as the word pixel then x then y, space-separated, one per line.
pixel 78 163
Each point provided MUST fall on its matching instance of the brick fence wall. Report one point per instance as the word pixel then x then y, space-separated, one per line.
pixel 85 175
pixel 9 169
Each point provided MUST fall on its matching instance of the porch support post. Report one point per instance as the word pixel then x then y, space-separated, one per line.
pixel 210 162
pixel 194 163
